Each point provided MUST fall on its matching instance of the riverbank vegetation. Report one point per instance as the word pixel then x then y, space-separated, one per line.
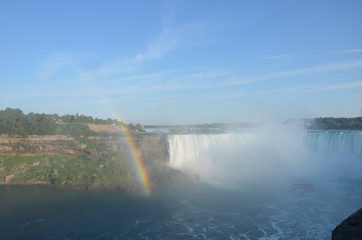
pixel 336 123
pixel 15 122
pixel 93 154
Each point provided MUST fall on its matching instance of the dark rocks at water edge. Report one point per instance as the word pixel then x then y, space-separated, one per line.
pixel 350 228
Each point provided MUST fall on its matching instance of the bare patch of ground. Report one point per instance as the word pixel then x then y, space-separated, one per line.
pixel 104 128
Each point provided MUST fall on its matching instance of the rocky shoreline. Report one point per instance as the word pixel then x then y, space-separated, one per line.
pixel 350 228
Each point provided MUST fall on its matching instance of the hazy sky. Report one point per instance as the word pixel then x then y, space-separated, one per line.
pixel 157 62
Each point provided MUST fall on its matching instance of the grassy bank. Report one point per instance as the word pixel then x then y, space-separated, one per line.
pixel 85 171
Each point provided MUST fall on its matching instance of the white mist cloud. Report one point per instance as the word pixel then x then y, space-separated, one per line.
pixel 349 51
pixel 57 62
pixel 356 84
pixel 269 155
pixel 275 57
pixel 170 39
pixel 330 67
pixel 284 56
pixel 211 74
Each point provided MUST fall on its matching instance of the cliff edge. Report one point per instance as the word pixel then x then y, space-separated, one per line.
pixel 91 162
pixel 35 144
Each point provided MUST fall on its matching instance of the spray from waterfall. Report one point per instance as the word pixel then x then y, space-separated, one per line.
pixel 273 154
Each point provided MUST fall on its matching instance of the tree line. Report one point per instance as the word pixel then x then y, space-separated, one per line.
pixel 15 122
pixel 336 123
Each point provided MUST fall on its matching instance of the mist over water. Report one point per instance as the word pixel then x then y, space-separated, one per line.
pixel 305 180
pixel 337 154
pixel 271 155
pixel 248 190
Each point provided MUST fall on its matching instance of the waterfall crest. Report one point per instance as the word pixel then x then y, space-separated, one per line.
pixel 266 155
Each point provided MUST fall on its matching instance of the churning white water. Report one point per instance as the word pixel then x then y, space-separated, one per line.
pixel 278 160
pixel 266 155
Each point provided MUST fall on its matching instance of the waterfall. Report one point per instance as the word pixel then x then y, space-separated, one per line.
pixel 191 147
pixel 331 142
pixel 263 155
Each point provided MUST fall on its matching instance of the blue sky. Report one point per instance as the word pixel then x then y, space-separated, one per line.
pixel 182 62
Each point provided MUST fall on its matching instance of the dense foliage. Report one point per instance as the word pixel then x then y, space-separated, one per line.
pixel 84 171
pixel 15 122
pixel 337 123
pixel 101 161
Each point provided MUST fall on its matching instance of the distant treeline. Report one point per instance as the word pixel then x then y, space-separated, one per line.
pixel 209 126
pixel 336 123
pixel 15 122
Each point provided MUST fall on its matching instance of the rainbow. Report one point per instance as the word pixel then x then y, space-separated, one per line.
pixel 138 161
pixel 135 154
